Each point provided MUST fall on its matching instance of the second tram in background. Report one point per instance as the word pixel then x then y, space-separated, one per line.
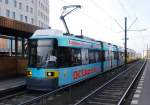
pixel 56 60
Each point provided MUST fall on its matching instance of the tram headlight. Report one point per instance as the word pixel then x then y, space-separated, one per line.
pixel 29 73
pixel 50 74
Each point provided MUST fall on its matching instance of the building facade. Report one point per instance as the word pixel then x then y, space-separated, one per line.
pixel 35 12
pixel 146 53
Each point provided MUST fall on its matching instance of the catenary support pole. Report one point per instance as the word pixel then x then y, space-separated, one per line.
pixel 125 45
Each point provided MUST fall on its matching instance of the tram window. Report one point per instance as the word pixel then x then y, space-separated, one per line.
pixel 91 56
pixel 76 56
pixel 42 53
pixel 63 55
pixel 85 57
pixel 112 55
pixel 120 55
pixel 115 55
pixel 97 56
pixel 106 55
pixel 102 56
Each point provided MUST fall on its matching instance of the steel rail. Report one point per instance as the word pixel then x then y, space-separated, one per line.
pixel 135 78
pixel 84 98
pixel 13 95
pixel 48 94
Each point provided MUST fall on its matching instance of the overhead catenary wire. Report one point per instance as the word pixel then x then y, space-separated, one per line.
pixel 92 18
pixel 132 23
pixel 107 13
pixel 119 24
pixel 104 10
pixel 111 16
pixel 95 20
pixel 97 5
pixel 127 11
pixel 100 8
pixel 124 8
pixel 131 5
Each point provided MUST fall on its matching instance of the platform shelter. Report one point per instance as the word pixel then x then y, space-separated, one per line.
pixel 14 37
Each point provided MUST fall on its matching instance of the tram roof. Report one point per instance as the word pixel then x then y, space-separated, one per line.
pixel 64 40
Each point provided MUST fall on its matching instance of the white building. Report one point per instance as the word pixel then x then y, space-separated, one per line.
pixel 34 12
pixel 146 53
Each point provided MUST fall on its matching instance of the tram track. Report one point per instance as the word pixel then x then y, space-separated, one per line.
pixel 61 96
pixel 19 97
pixel 115 90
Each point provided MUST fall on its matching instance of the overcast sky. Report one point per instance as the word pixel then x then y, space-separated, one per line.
pixel 101 19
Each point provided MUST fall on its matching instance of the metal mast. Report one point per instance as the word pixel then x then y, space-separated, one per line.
pixel 125 42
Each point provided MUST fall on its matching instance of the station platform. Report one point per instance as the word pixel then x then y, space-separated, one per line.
pixel 12 83
pixel 142 93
